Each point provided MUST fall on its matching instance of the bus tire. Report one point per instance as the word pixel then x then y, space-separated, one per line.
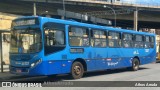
pixel 77 70
pixel 135 64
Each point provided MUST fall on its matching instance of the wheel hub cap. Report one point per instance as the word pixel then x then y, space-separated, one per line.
pixel 77 70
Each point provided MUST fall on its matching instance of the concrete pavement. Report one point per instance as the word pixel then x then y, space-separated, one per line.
pixel 149 72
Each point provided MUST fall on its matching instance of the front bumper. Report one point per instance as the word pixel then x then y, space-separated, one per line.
pixel 37 70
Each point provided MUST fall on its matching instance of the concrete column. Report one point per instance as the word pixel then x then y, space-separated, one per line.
pixel 64 14
pixel 34 9
pixel 1 53
pixel 136 19
pixel 64 8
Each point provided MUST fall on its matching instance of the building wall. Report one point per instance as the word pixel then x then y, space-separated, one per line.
pixel 5 24
pixel 5 20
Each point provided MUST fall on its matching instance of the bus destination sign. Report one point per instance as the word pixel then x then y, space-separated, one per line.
pixel 24 22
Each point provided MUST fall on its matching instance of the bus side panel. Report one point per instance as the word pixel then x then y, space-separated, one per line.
pixel 90 65
pixel 86 55
pixel 120 57
pixel 141 54
pixel 66 66
pixel 53 66
pixel 39 69
pixel 100 56
pixel 58 66
pixel 58 63
pixel 149 56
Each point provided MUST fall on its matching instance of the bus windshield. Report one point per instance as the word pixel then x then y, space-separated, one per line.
pixel 25 41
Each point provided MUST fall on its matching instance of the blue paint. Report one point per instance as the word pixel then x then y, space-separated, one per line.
pixel 96 58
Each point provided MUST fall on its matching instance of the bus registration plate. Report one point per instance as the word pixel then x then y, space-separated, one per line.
pixel 18 70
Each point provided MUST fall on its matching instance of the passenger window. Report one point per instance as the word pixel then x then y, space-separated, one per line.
pixel 54 34
pixel 147 42
pixel 114 39
pixel 152 42
pixel 78 36
pixel 127 40
pixel 138 41
pixel 98 38
pixel 54 37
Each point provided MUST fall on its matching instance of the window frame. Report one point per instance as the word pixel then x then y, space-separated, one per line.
pixel 138 41
pixel 87 30
pixel 92 37
pixel 152 42
pixel 119 40
pixel 127 40
pixel 56 30
pixel 147 42
pixel 51 25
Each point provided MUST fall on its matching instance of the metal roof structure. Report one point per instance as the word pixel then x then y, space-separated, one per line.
pixel 148 14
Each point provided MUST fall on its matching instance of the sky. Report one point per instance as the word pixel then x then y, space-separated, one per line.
pixel 153 2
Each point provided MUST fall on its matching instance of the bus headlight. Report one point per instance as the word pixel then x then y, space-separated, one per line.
pixel 33 64
pixel 36 63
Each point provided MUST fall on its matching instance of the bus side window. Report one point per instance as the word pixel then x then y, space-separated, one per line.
pixel 138 41
pixel 54 37
pixel 127 40
pixel 78 36
pixel 98 38
pixel 114 39
pixel 111 44
pixel 147 42
pixel 152 42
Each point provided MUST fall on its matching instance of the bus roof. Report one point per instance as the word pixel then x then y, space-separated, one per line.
pixel 76 23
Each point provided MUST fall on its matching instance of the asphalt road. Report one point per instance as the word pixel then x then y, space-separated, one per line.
pixel 149 72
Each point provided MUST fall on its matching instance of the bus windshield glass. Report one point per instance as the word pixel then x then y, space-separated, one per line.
pixel 25 41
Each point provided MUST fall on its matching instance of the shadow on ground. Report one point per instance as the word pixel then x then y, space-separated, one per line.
pixel 66 76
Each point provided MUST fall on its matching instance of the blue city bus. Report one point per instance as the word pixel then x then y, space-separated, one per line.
pixel 49 46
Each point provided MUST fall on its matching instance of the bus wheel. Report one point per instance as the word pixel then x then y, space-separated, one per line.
pixel 135 64
pixel 77 70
